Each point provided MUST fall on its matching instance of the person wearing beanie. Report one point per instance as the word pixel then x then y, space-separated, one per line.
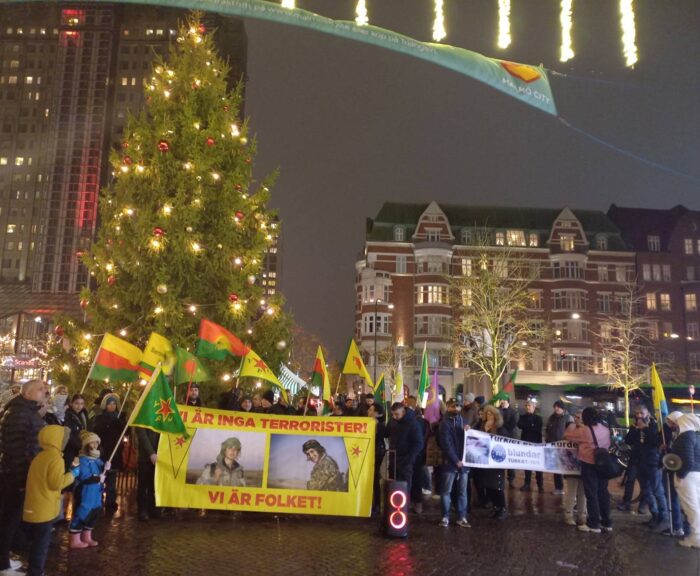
pixel 554 432
pixel 687 481
pixel 42 503
pixel 325 474
pixel 226 471
pixel 90 480
pixel 108 425
pixel 267 401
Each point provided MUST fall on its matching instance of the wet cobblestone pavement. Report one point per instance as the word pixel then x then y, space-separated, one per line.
pixel 533 540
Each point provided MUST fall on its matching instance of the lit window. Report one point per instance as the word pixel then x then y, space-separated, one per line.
pixel 133 81
pixel 516 238
pixel 566 242
pixel 651 302
pixel 533 240
pixel 29 80
pixel 19 161
pixel 654 243
pixel 11 228
pixel 466 266
pixel 159 32
pixel 3 161
pixel 688 245
pixel 149 31
pixel 665 302
pixel 602 272
pixel 14 64
pixel 12 80
pixel 691 302
pixel 500 239
pixel 125 81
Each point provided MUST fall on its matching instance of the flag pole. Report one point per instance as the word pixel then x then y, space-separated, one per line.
pixel 337 386
pixel 97 353
pixel 308 396
pixel 126 397
pixel 146 390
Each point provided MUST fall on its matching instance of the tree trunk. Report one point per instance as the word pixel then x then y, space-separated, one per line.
pixel 627 407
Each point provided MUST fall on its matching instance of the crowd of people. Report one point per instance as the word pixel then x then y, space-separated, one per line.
pixel 54 449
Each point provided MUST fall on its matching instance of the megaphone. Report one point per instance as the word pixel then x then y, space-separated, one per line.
pixel 672 462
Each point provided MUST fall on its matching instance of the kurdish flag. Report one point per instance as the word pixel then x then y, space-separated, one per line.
pixel 188 368
pixel 156 408
pixel 660 404
pixel 254 367
pixel 117 360
pixel 354 364
pixel 509 387
pixel 424 380
pixel 217 343
pixel 158 349
pixel 320 378
pixel 380 390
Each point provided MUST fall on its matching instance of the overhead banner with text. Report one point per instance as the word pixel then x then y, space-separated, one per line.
pixel 524 82
pixel 268 463
pixel 482 450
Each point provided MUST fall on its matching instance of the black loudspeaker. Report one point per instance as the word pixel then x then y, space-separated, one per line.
pixel 394 508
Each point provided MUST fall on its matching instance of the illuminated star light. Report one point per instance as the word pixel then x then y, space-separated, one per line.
pixel 361 17
pixel 504 23
pixel 567 50
pixel 288 4
pixel 629 32
pixel 439 31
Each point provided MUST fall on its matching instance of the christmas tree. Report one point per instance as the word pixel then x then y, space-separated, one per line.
pixel 184 225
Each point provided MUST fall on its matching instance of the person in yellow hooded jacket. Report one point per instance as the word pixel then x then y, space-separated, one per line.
pixel 42 503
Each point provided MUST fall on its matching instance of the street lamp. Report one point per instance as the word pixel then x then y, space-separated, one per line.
pixel 377 302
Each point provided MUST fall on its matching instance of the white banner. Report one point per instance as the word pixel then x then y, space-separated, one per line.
pixel 482 450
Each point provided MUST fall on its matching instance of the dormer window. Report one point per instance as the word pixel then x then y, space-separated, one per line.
pixel 466 237
pixel 654 243
pixel 601 242
pixel 399 233
pixel 533 240
pixel 566 242
pixel 433 235
pixel 500 239
pixel 516 238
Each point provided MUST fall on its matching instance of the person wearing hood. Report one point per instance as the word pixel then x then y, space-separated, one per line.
pixel 406 438
pixel 42 504
pixel 226 471
pixel 91 485
pixel 108 425
pixel 76 419
pixel 687 482
pixel 19 431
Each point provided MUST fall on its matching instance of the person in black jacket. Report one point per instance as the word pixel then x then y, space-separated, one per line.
pixel 687 447
pixel 108 425
pixel 493 479
pixel 510 423
pixel 530 425
pixel 19 431
pixel 75 419
pixel 375 411
pixel 554 432
pixel 451 434
pixel 193 399
pixel 645 441
pixel 148 456
pixel 406 438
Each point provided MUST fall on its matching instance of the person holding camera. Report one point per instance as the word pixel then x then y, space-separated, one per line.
pixel 645 440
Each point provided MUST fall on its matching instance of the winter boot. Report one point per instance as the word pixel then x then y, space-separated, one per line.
pixel 76 542
pixel 87 538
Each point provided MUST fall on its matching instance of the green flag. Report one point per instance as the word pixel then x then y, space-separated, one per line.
pixel 188 368
pixel 156 408
pixel 380 391
pixel 424 380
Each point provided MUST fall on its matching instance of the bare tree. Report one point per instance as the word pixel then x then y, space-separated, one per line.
pixel 624 339
pixel 494 323
pixel 389 359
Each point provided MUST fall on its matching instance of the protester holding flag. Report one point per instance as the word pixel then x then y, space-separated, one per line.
pixel 108 425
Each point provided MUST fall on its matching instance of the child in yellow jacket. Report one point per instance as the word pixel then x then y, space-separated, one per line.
pixel 42 503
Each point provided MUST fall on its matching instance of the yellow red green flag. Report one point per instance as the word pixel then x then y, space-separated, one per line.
pixel 355 365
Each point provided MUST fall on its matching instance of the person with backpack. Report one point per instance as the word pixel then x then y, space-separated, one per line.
pixel 589 437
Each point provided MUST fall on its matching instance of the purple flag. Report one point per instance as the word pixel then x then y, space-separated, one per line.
pixel 432 405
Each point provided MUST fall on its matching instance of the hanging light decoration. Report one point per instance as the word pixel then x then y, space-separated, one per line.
pixel 361 17
pixel 567 51
pixel 439 31
pixel 288 4
pixel 629 32
pixel 504 23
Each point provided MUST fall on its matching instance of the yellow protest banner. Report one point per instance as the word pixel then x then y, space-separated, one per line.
pixel 268 463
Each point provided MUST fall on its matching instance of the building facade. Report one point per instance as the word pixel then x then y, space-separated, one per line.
pixel 70 74
pixel 584 268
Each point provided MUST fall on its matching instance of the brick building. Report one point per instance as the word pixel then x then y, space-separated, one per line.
pixel 582 264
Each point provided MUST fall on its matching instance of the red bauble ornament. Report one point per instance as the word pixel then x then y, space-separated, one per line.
pixel 226 108
pixel 127 160
pixel 210 141
pixel 248 160
pixel 58 331
pixel 111 279
pixel 84 303
pixel 240 215
pixel 202 28
pixel 238 187
pixel 163 146
pixel 125 145
pixel 233 297
pixel 159 232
